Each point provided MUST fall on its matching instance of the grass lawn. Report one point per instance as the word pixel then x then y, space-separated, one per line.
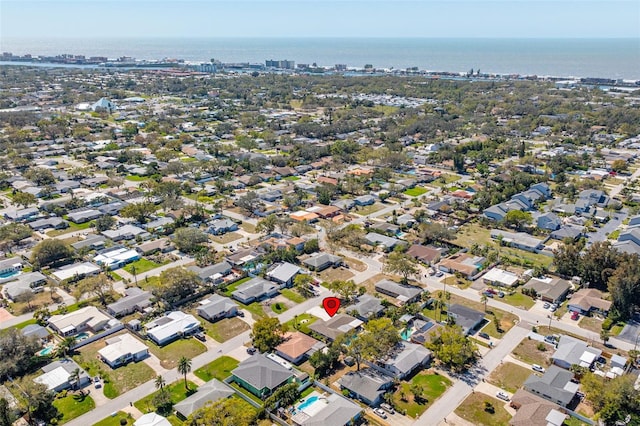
pixel 302 323
pixel 433 385
pixel 509 376
pixel 292 295
pixel 248 227
pixel 591 323
pixel 148 282
pixel 367 210
pixel 136 178
pixel 614 235
pixel 72 406
pixel 217 369
pixel 226 238
pixel 175 389
pixel 616 329
pixel 519 300
pixel 114 276
pixel 292 178
pixel 141 265
pixel 255 308
pixel 335 274
pixel 171 353
pixel 225 329
pixel 355 264
pixel 527 351
pixel 278 307
pixel 448 178
pixel 246 392
pixel 115 420
pixel 232 287
pixel 415 192
pixel 472 410
pixel 117 381
pixel 72 228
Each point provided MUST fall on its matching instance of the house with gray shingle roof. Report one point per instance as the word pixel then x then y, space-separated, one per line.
pixel 367 307
pixel 261 375
pixel 255 289
pixel 404 359
pixel 368 385
pixel 217 307
pixel 555 385
pixel 210 392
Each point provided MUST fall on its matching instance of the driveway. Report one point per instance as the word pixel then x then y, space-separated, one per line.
pixel 631 331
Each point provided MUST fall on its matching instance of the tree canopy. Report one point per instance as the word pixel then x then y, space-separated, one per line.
pixel 175 284
pixel 267 334
pixel 16 353
pixel 189 240
pixel 452 348
pixel 402 264
pixel 225 412
pixel 50 252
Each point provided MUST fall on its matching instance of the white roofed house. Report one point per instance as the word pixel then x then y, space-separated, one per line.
pixel 500 277
pixel 84 319
pixel 123 349
pixel 172 326
pixel 58 375
pixel 283 273
pixel 76 271
pixel 255 289
pixel 403 360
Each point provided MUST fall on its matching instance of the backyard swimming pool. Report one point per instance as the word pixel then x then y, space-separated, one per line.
pixel 46 351
pixel 82 336
pixel 9 274
pixel 309 401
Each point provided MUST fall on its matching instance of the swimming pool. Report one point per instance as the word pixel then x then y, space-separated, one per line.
pixel 82 336
pixel 9 274
pixel 308 402
pixel 406 333
pixel 46 351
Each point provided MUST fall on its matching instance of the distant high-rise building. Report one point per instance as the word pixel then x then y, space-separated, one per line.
pixel 282 64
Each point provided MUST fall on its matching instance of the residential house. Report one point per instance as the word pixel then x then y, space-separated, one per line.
pixel 568 231
pixel 75 271
pixel 403 293
pixel 135 299
pixel 555 385
pixel 587 300
pixel 367 385
pixel 22 215
pixel 126 232
pixel 334 410
pixel 172 326
pixel 321 261
pixel 520 240
pixel 572 351
pixel 254 290
pixel 549 221
pixel 116 257
pixel 634 221
pixel 88 318
pixel 552 290
pixel 336 326
pixel 159 223
pixel 83 215
pixel 283 273
pixel 215 273
pixel 244 257
pixel 468 265
pixel 344 204
pixel 387 243
pixel 152 419
pixel 91 241
pixel 222 226
pixel 261 376
pixel 364 200
pixel 367 307
pixel 48 223
pixel 58 375
pixel 589 198
pixel 304 216
pixel 162 245
pixel 467 318
pixel 10 267
pixel 112 208
pixel 217 307
pixel 531 410
pixel 210 392
pixel 37 331
pixel 403 360
pixel 296 347
pixel 29 282
pixel 428 255
pixel 500 277
pixel 122 349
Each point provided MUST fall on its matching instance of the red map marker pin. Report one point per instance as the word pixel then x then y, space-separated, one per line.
pixel 331 305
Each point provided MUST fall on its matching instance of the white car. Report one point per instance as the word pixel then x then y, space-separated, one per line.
pixel 502 396
pixel 380 412
pixel 537 368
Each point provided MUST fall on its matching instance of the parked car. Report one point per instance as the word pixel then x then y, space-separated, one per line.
pixel 200 336
pixel 575 316
pixel 439 274
pixel 502 396
pixel 251 350
pixel 488 293
pixel 484 335
pixel 537 368
pixel 241 314
pixel 546 305
pixel 501 294
pixel 380 412
pixel 386 407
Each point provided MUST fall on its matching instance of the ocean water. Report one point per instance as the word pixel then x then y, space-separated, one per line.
pixel 608 58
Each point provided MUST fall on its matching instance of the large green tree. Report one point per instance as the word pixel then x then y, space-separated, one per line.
pixel 613 399
pixel 175 284
pixel 141 212
pixel 225 412
pixel 267 333
pixel 452 348
pixel 17 353
pixel 402 264
pixel 50 252
pixel 189 240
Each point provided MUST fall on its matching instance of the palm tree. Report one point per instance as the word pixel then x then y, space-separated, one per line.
pixel 484 299
pixel 184 367
pixel 160 382
pixel 65 347
pixel 74 377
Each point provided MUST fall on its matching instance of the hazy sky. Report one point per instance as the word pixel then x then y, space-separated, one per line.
pixel 319 18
